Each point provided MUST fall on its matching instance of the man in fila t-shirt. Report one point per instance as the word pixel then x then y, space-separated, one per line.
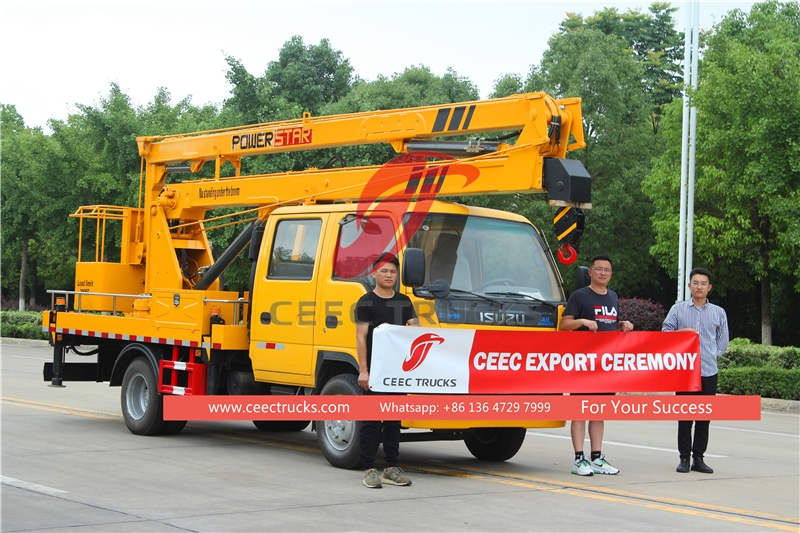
pixel 593 308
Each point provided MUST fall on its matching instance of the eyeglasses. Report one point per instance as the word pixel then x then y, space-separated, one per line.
pixel 699 284
pixel 603 270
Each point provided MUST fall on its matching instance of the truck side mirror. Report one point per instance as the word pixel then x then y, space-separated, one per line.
pixel 439 288
pixel 414 267
pixel 582 278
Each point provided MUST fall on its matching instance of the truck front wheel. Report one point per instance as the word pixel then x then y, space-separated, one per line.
pixel 141 403
pixel 495 444
pixel 339 439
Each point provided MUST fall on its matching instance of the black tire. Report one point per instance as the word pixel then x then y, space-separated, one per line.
pixel 142 407
pixel 281 425
pixel 173 427
pixel 495 444
pixel 339 439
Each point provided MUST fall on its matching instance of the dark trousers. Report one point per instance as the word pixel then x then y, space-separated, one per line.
pixel 371 438
pixel 685 444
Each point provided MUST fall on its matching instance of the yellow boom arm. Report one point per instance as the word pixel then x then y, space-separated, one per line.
pixel 168 226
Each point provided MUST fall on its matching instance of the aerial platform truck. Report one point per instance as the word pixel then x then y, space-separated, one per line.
pixel 155 320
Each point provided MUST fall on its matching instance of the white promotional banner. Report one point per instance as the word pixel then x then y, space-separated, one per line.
pixel 399 351
pixel 458 361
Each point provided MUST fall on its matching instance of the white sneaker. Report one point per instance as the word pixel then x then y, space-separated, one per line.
pixel 601 466
pixel 582 467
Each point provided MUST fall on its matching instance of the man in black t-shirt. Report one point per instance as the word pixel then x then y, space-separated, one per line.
pixel 382 305
pixel 593 308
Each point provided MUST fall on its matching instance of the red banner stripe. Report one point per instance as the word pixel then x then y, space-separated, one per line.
pixel 461 407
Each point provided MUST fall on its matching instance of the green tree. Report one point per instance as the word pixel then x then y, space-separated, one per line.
pixel 253 99
pixel 506 85
pixel 599 68
pixel 112 128
pixel 43 182
pixel 309 76
pixel 415 86
pixel 653 42
pixel 747 202
pixel 89 158
pixel 625 67
pixel 16 196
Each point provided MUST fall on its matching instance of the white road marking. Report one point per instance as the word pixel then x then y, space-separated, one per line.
pixel 10 481
pixel 625 444
pixel 778 414
pixel 756 431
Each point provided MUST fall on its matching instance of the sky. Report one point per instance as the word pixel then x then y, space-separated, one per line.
pixel 58 54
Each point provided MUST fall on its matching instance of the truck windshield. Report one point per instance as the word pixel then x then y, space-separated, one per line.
pixel 487 256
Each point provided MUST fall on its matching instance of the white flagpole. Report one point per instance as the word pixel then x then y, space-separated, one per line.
pixel 692 142
pixel 687 70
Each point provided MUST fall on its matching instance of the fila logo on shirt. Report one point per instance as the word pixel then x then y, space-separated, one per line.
pixel 603 313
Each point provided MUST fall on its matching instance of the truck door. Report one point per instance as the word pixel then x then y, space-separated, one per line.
pixel 345 277
pixel 284 299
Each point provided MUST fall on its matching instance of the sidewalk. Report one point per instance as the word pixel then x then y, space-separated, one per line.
pixel 767 404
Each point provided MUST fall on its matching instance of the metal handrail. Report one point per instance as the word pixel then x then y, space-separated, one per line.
pixel 238 301
pixel 80 294
pixel 237 304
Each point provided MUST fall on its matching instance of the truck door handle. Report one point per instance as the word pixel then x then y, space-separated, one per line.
pixel 331 322
pixel 266 318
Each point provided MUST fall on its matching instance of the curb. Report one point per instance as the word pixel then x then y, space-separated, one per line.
pixel 785 406
pixel 24 342
pixel 767 404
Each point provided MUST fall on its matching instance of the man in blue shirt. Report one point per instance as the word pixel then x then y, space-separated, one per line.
pixel 711 323
pixel 593 308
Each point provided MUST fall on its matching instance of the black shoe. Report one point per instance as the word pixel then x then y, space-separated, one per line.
pixel 699 466
pixel 683 467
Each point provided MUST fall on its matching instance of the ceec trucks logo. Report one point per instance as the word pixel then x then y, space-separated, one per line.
pixel 419 350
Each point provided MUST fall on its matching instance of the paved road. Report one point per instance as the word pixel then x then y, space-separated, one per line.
pixel 69 464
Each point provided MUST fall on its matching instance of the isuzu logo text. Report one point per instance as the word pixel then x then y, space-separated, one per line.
pixel 510 319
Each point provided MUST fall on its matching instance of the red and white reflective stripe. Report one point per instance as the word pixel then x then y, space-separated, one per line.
pixel 123 337
pixel 214 346
pixel 269 346
pixel 177 391
pixel 179 365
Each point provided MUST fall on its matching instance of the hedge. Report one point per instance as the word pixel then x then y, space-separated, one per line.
pixel 645 315
pixel 22 325
pixel 765 381
pixel 20 317
pixel 743 353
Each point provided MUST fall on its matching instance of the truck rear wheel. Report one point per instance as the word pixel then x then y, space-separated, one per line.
pixel 281 425
pixel 339 439
pixel 141 403
pixel 495 444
